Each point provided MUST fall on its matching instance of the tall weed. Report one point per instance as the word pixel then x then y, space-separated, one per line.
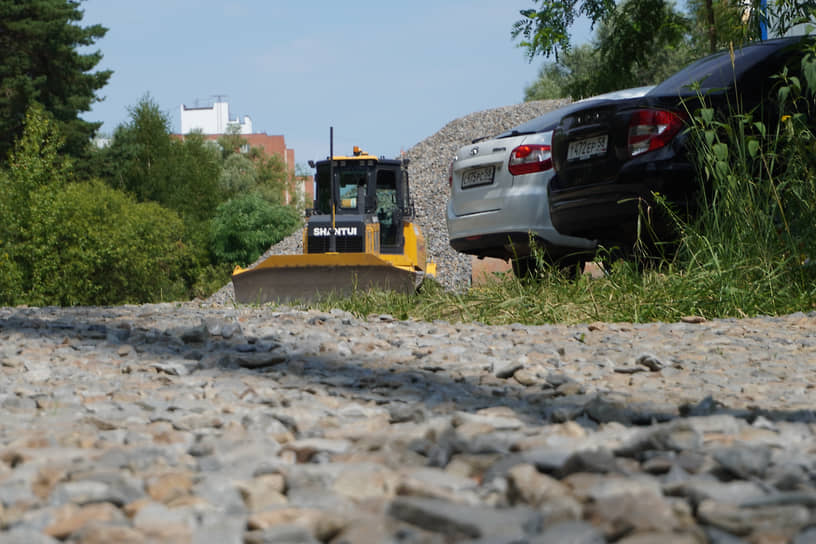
pixel 752 242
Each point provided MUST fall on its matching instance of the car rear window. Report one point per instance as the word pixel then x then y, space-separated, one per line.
pixel 716 71
pixel 550 120
pixel 539 124
pixel 545 122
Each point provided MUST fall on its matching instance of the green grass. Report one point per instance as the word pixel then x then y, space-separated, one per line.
pixel 625 294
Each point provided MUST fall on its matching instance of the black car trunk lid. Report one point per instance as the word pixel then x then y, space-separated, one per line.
pixel 584 147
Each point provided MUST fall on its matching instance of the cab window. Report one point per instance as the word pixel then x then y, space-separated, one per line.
pixel 387 206
pixel 323 187
pixel 350 183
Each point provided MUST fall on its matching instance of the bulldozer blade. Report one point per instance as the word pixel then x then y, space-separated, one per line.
pixel 307 278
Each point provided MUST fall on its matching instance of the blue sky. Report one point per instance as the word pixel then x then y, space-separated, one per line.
pixel 385 74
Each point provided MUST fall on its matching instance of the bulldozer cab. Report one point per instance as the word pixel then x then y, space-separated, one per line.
pixel 367 186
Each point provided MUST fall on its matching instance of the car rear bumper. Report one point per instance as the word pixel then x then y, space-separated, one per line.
pixel 614 213
pixel 603 213
pixel 507 233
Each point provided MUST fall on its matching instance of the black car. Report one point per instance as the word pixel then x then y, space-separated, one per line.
pixel 611 158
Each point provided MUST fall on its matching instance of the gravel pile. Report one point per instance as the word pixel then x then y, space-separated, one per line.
pixel 428 171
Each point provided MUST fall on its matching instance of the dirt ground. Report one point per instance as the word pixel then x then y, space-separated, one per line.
pixel 482 269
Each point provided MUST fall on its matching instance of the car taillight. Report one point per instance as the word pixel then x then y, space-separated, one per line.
pixel 450 174
pixel 652 129
pixel 526 159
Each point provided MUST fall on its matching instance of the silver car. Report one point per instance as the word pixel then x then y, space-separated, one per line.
pixel 498 195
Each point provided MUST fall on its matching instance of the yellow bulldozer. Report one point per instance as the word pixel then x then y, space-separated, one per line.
pixel 360 235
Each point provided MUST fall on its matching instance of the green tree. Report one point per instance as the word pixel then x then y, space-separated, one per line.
pixel 232 142
pixel 34 163
pixel 147 161
pixel 248 225
pixel 140 153
pixel 266 175
pixel 550 83
pixel 181 174
pixel 11 274
pixel 274 178
pixel 578 73
pixel 35 166
pixel 545 29
pixel 715 25
pixel 591 69
pixel 634 37
pixel 193 170
pixel 239 175
pixel 638 26
pixel 194 191
pixel 638 42
pixel 41 62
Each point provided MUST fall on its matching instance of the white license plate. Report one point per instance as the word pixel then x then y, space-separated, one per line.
pixel 584 149
pixel 477 176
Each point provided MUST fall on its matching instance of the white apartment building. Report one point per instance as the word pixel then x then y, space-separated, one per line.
pixel 213 119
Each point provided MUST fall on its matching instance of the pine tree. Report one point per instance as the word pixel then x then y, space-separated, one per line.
pixel 40 62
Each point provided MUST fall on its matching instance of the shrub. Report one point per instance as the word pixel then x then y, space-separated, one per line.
pixel 93 245
pixel 246 226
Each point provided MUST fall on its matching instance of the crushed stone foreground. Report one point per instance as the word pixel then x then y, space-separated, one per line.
pixel 207 424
